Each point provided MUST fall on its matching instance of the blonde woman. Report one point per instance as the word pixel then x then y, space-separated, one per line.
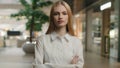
pixel 59 48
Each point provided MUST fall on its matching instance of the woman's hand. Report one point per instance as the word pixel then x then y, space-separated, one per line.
pixel 75 60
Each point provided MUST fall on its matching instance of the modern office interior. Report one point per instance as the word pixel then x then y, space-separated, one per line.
pixel 95 22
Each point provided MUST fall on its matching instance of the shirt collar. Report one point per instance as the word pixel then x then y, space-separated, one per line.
pixel 54 35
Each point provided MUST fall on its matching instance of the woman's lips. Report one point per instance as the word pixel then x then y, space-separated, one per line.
pixel 59 22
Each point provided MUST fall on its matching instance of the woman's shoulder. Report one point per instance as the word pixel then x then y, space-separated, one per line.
pixel 76 41
pixel 43 36
pixel 75 38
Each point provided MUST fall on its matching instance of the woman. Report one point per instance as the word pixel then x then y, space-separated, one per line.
pixel 59 48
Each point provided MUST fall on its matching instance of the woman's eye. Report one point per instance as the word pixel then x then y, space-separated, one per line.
pixel 64 13
pixel 55 13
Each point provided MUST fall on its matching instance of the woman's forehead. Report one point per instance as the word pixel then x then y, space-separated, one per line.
pixel 59 7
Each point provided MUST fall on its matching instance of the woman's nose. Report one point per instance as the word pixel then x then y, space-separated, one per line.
pixel 60 16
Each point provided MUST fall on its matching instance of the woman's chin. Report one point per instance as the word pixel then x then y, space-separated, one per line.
pixel 60 26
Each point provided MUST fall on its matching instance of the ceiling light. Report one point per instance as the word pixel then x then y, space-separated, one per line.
pixel 105 6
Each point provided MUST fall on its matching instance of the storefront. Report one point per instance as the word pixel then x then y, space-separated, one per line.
pixel 100 28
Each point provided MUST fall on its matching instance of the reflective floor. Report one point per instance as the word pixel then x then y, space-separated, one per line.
pixel 93 60
pixel 16 58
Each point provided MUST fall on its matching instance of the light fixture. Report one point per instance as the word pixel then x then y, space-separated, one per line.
pixel 105 6
pixel 77 15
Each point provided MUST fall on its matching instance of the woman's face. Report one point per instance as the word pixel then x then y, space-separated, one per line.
pixel 60 16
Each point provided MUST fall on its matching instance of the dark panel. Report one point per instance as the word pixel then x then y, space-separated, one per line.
pixel 13 33
pixel 89 2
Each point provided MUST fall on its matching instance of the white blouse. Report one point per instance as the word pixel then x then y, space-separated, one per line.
pixel 53 51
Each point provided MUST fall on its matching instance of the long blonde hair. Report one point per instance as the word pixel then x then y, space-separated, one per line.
pixel 69 27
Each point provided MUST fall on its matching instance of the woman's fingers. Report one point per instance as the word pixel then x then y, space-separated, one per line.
pixel 75 59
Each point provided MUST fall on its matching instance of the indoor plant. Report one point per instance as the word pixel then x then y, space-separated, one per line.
pixel 35 16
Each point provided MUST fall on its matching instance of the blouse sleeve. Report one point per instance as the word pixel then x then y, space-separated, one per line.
pixel 39 51
pixel 79 52
pixel 39 54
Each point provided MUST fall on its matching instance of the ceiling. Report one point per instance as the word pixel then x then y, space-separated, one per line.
pixel 89 2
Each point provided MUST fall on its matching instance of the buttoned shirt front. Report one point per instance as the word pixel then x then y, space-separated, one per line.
pixel 55 50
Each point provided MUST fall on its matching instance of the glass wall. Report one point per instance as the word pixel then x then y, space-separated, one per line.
pixel 114 22
pixel 97 25
pixel 94 22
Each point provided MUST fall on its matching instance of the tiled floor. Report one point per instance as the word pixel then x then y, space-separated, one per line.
pixel 16 58
pixel 96 61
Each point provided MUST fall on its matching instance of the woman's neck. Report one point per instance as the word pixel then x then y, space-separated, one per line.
pixel 61 31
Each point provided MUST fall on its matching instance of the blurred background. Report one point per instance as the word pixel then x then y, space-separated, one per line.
pixel 95 22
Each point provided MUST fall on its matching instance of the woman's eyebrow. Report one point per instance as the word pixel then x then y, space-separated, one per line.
pixel 64 11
